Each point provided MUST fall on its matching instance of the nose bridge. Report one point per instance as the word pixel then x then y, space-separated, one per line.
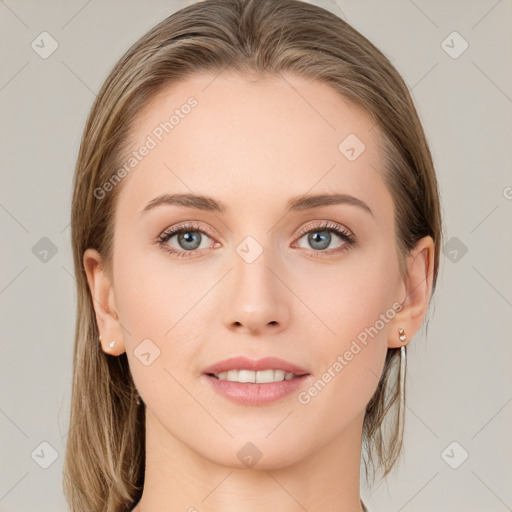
pixel 252 277
pixel 257 299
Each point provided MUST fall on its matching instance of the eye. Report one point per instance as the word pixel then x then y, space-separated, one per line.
pixel 319 237
pixel 189 238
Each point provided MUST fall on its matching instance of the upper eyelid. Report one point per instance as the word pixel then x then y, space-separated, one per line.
pixel 317 224
pixel 190 226
pixel 328 225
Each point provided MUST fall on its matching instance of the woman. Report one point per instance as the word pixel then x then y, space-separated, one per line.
pixel 256 230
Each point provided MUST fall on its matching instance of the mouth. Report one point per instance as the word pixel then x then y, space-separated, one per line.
pixel 255 382
pixel 261 371
pixel 252 393
pixel 255 377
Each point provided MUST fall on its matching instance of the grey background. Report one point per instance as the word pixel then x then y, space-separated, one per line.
pixel 459 379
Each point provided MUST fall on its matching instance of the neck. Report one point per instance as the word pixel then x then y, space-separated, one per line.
pixel 179 478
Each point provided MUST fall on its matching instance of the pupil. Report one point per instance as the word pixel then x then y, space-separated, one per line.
pixel 188 237
pixel 314 238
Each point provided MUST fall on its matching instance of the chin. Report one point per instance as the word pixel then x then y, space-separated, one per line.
pixel 260 454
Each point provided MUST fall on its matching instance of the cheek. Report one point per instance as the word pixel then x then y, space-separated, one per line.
pixel 157 295
pixel 351 294
pixel 174 305
pixel 161 301
pixel 357 306
pixel 152 292
pixel 349 364
pixel 154 311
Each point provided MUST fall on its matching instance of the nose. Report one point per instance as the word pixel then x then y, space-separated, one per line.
pixel 257 299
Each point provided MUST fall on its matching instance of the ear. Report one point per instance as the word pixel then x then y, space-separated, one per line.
pixel 414 292
pixel 102 292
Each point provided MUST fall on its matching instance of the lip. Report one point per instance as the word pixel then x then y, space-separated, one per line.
pixel 248 393
pixel 244 363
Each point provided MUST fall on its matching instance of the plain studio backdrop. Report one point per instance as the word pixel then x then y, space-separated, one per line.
pixel 456 58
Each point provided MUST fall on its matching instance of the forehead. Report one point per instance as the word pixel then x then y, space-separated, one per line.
pixel 263 140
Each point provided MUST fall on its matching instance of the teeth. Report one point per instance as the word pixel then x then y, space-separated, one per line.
pixel 259 377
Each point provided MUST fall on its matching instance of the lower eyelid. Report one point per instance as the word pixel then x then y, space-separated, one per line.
pixel 344 235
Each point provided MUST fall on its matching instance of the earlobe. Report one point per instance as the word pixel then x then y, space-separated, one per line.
pixel 103 301
pixel 418 289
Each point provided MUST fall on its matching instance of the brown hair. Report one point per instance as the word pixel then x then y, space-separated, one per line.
pixel 105 452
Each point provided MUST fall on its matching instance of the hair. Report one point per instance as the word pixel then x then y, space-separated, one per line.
pixel 105 452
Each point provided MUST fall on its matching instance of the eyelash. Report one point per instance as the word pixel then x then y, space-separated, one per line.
pixel 350 239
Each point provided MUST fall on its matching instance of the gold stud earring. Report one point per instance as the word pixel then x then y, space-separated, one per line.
pixel 401 335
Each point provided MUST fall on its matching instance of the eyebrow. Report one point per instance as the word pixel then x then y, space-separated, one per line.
pixel 304 202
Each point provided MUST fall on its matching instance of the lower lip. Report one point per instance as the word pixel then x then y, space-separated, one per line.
pixel 256 394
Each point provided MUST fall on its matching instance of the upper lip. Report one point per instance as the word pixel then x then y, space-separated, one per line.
pixel 244 363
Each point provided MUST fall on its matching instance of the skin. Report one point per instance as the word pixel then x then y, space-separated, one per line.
pixel 254 145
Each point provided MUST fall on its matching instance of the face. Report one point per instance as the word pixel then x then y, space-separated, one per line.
pixel 261 274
